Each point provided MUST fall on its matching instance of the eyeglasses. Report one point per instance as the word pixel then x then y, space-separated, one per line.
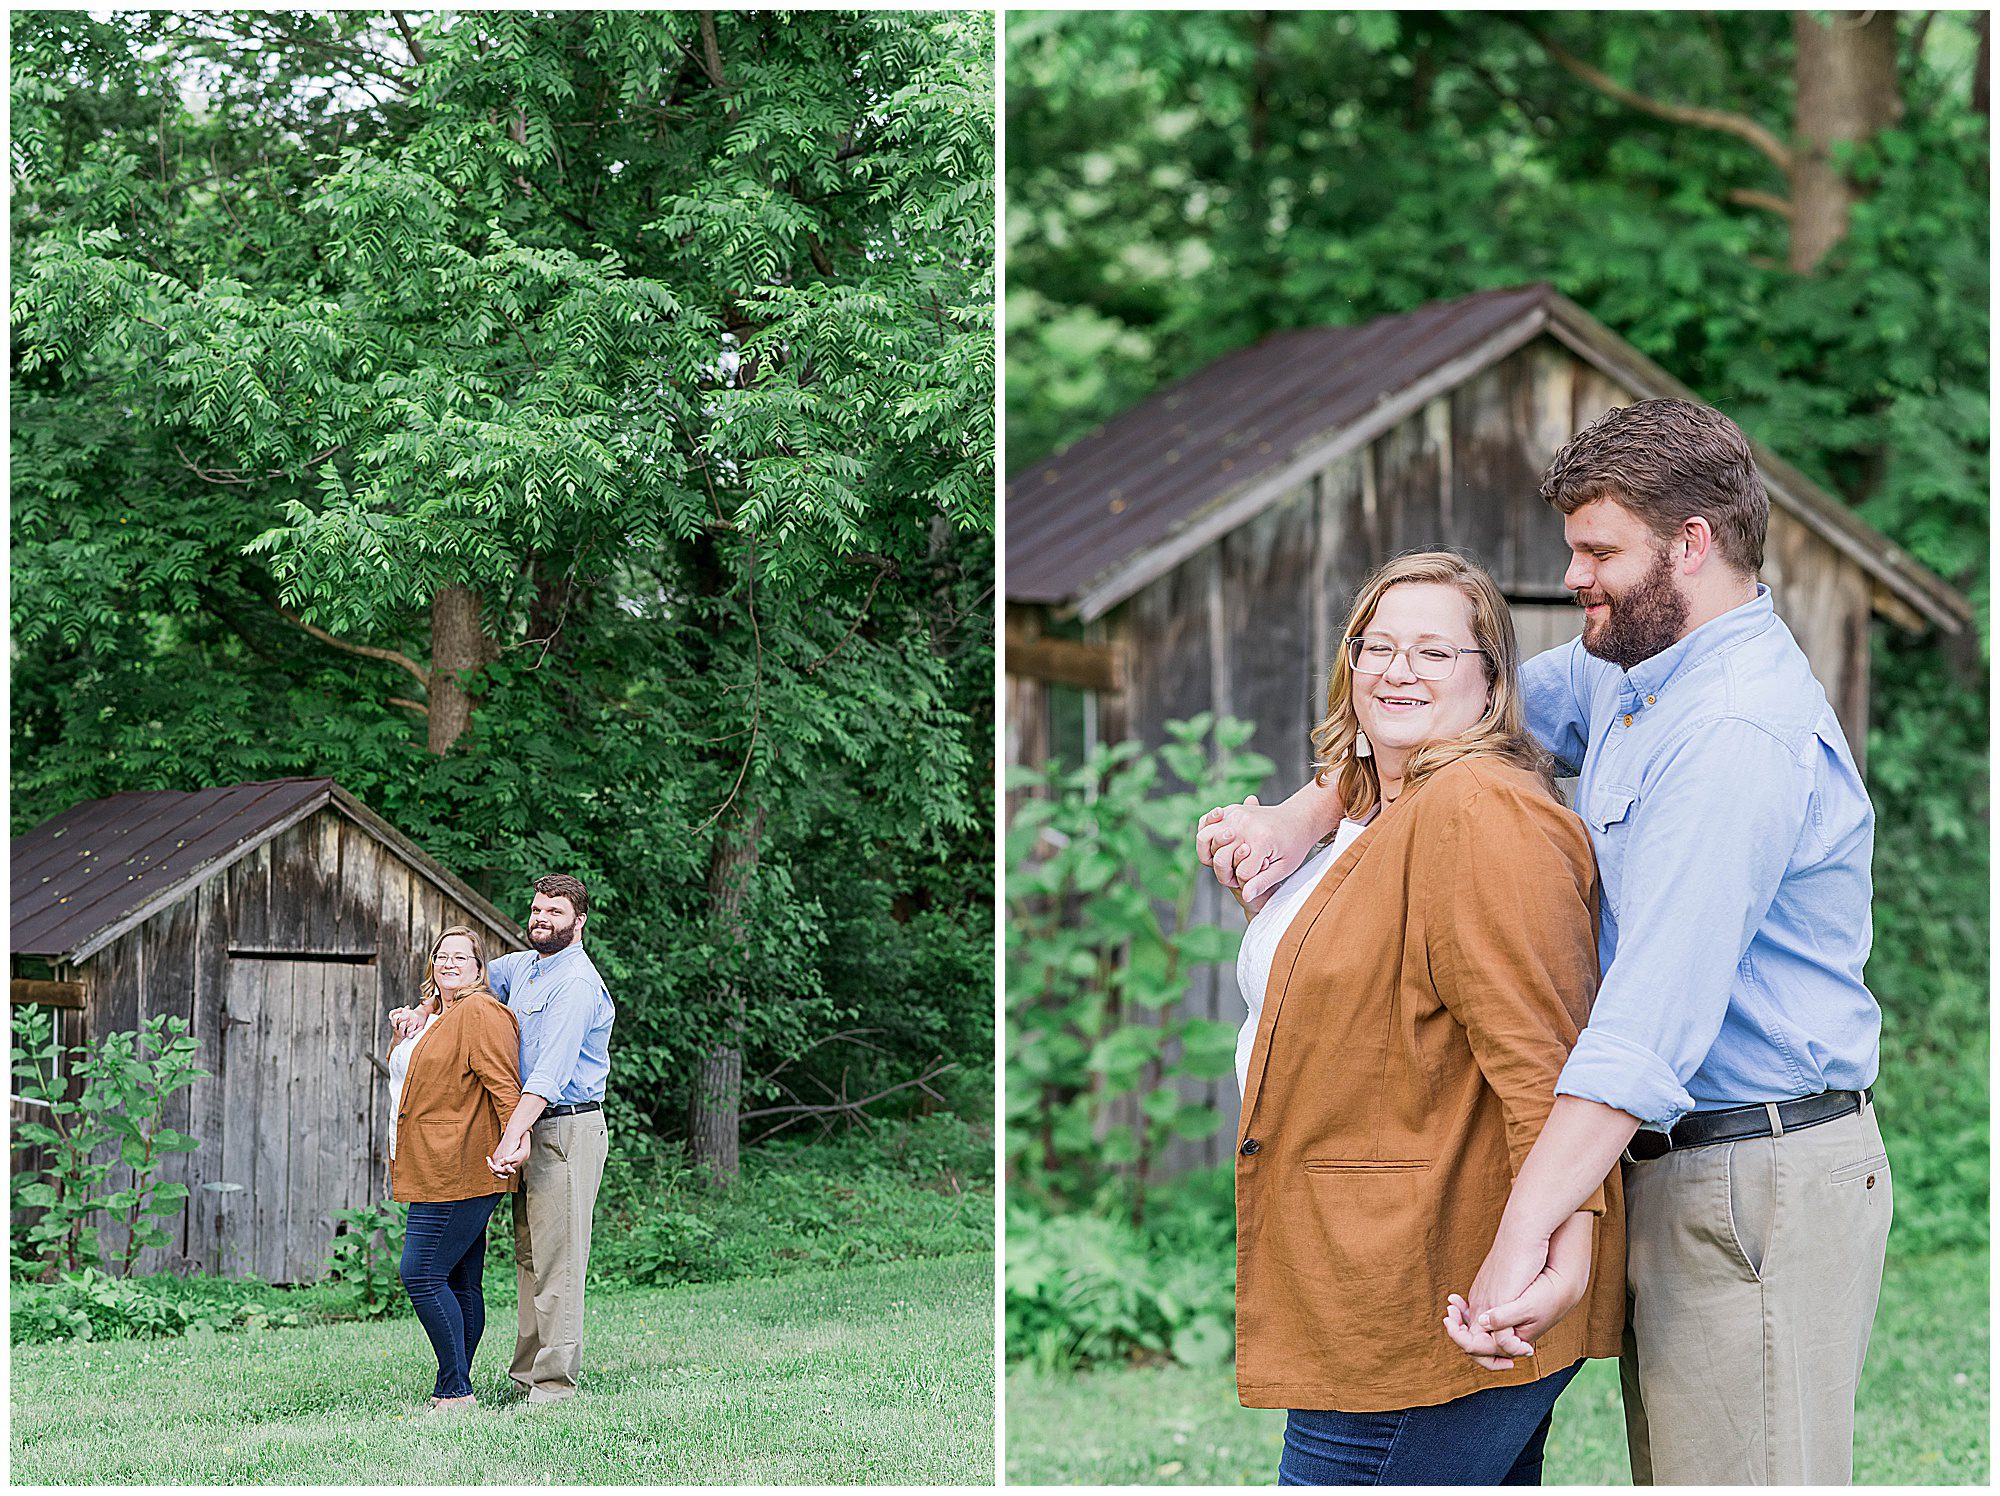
pixel 1430 659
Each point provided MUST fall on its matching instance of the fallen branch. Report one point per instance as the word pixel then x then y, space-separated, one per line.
pixel 855 1110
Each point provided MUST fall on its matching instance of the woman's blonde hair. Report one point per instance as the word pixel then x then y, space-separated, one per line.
pixel 1501 731
pixel 430 989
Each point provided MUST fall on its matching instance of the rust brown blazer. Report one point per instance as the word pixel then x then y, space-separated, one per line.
pixel 463 1083
pixel 1419 1008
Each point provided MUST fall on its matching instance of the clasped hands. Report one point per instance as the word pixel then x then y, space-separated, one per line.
pixel 506 1160
pixel 1519 1294
pixel 1523 1288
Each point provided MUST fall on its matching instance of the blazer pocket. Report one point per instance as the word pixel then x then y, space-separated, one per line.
pixel 1365 1165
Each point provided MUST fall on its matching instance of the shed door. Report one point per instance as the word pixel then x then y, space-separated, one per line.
pixel 299 1109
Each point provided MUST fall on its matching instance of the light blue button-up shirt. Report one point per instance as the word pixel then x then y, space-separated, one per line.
pixel 1733 838
pixel 565 1015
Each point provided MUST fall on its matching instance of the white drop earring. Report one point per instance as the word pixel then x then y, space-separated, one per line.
pixel 1362 747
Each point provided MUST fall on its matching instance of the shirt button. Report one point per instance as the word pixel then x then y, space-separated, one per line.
pixel 1649 701
pixel 1250 1146
pixel 1628 719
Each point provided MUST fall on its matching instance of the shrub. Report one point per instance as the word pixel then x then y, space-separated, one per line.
pixel 89 1305
pixel 1101 947
pixel 918 1188
pixel 366 1255
pixel 1085 1288
pixel 126 1078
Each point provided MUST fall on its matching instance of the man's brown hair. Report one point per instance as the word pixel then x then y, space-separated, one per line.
pixel 1668 461
pixel 563 886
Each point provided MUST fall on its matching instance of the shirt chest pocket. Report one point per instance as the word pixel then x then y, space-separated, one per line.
pixel 531 1002
pixel 1610 811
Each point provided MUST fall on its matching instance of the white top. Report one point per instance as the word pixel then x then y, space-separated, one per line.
pixel 399 1067
pixel 1267 933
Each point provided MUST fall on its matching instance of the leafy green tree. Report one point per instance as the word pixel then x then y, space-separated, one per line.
pixel 1789 212
pixel 573 430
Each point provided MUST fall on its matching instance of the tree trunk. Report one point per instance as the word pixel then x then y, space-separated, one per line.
pixel 460 648
pixel 1982 101
pixel 1845 71
pixel 718 1094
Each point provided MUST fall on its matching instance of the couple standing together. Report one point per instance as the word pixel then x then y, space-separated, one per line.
pixel 496 1086
pixel 1607 1074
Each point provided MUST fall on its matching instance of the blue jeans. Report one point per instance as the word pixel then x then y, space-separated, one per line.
pixel 444 1263
pixel 1489 1438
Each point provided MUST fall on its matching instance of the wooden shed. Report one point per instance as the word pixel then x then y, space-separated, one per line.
pixel 1200 551
pixel 282 920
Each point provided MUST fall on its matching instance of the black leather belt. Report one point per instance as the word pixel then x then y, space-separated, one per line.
pixel 1734 1124
pixel 570 1111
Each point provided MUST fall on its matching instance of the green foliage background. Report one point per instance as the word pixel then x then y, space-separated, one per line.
pixel 1181 184
pixel 672 342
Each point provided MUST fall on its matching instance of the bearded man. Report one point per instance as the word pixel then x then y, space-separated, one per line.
pixel 556 1138
pixel 1733 1045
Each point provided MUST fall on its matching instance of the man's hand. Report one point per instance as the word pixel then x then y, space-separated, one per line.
pixel 1253 848
pixel 404 1022
pixel 1492 1332
pixel 510 1155
pixel 1510 1266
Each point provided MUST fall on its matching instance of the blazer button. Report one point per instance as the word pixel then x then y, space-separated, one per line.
pixel 1250 1146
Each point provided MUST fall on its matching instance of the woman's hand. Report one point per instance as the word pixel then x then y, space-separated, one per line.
pixel 404 1022
pixel 1510 1329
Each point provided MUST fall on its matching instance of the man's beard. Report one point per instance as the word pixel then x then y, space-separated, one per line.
pixel 1643 622
pixel 558 939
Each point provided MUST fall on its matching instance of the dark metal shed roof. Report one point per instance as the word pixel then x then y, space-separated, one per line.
pixel 1092 523
pixel 86 876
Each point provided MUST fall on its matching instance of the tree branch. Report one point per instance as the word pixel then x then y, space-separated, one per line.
pixel 883 567
pixel 416 706
pixel 757 681
pixel 410 39
pixel 236 477
pixel 1749 197
pixel 711 51
pixel 1724 120
pixel 367 651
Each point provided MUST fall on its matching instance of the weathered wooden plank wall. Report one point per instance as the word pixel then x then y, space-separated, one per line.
pixel 285 966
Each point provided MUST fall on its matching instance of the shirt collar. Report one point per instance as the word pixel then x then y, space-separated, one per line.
pixel 1740 624
pixel 542 963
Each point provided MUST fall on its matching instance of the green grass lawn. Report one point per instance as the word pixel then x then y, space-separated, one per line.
pixel 1921 1417
pixel 877 1374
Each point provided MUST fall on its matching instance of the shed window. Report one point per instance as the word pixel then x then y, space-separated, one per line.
pixel 1072 724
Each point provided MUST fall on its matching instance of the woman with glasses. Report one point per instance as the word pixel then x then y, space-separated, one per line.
pixel 453 1083
pixel 1413 991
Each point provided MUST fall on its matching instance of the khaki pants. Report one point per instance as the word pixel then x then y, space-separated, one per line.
pixel 1752 1274
pixel 552 1250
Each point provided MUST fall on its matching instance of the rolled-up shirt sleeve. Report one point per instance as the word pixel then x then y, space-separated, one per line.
pixel 1554 698
pixel 1705 849
pixel 560 1030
